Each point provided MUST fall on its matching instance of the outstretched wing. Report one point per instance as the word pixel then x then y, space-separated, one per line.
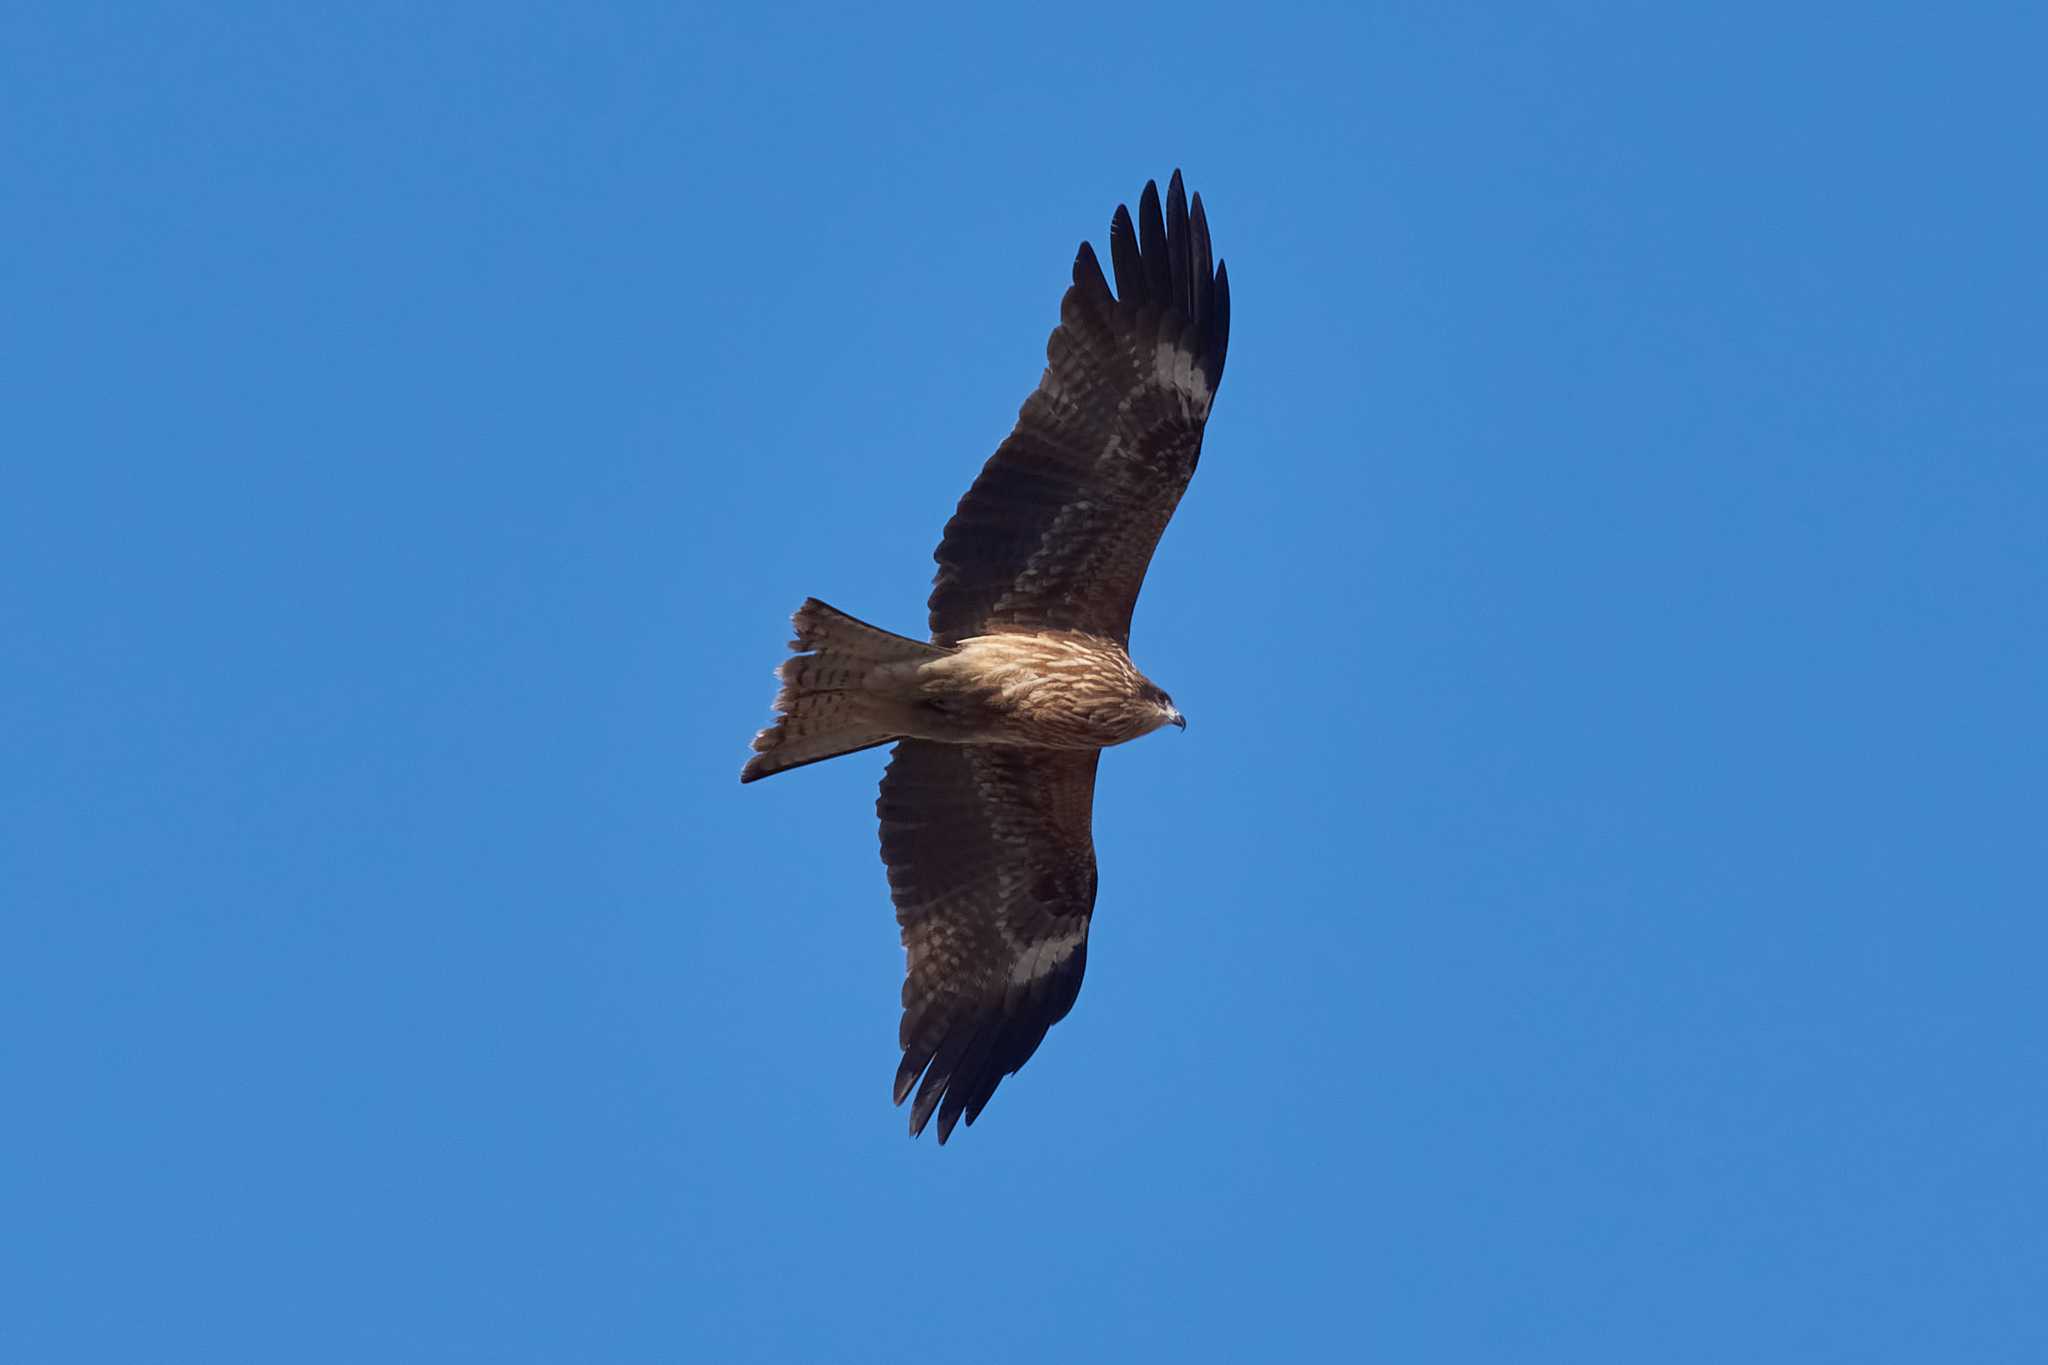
pixel 992 868
pixel 1060 526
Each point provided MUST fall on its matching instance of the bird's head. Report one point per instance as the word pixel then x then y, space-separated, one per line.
pixel 1163 707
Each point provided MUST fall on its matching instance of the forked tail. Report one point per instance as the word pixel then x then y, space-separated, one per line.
pixel 825 708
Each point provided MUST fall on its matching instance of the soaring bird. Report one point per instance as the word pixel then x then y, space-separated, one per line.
pixel 1000 718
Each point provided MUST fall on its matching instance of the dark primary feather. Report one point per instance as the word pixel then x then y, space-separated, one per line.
pixel 1152 237
pixel 992 868
pixel 1060 527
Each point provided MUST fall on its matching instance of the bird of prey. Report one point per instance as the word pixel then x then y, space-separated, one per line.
pixel 1000 718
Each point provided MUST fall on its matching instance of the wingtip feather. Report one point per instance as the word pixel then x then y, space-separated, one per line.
pixel 1088 276
pixel 1123 256
pixel 1152 246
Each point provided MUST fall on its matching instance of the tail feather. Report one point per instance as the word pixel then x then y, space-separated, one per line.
pixel 825 708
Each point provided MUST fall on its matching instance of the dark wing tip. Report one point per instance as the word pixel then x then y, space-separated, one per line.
pixel 959 1090
pixel 1180 268
pixel 1123 256
pixel 945 1076
pixel 1166 259
pixel 1152 246
pixel 955 1072
pixel 1216 332
pixel 1088 274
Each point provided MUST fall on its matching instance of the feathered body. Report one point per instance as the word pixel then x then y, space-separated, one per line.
pixel 999 719
pixel 1052 689
pixel 855 685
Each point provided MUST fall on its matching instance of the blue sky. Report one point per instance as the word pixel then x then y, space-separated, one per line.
pixel 1594 914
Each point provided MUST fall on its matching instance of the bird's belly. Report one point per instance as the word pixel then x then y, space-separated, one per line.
pixel 1054 727
pixel 1032 712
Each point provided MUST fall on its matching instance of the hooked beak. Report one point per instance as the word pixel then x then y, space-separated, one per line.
pixel 1178 720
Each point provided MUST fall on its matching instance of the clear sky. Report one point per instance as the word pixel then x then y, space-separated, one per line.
pixel 1594 914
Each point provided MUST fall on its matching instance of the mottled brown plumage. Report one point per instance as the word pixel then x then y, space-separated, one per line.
pixel 1001 718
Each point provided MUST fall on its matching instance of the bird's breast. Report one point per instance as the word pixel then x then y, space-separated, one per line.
pixel 1052 690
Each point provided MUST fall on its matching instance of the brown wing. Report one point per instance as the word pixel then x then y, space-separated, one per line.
pixel 992 868
pixel 1060 526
